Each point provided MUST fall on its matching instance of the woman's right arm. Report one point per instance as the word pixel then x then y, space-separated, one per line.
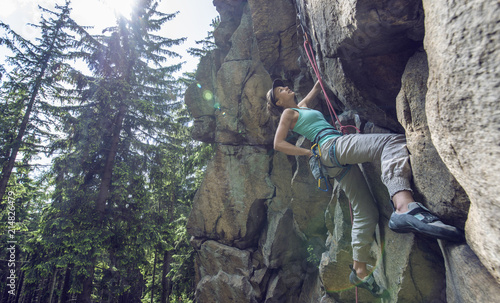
pixel 280 144
pixel 306 102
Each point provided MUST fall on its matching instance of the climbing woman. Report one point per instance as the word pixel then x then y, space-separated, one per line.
pixel 339 155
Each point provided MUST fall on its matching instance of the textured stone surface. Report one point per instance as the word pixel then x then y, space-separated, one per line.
pixel 261 229
pixel 362 48
pixel 215 257
pixel 230 202
pixel 463 110
pixel 225 288
pixel 275 33
pixel 471 283
pixel 201 100
pixel 435 186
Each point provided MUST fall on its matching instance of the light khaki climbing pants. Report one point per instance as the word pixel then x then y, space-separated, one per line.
pixel 391 151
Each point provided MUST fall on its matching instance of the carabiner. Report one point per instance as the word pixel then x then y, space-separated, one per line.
pixel 314 151
pixel 319 184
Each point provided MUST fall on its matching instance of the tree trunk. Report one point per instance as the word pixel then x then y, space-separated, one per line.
pixel 110 159
pixel 166 281
pixel 40 290
pixel 7 169
pixel 167 256
pixel 154 276
pixel 66 286
pixel 85 295
pixel 52 288
pixel 21 285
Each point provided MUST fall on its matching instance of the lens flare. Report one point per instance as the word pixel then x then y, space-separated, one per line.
pixel 198 84
pixel 208 95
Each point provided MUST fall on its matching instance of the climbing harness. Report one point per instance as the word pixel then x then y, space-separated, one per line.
pixel 317 168
pixel 320 170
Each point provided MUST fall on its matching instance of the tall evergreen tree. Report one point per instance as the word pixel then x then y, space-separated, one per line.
pixel 101 176
pixel 125 169
pixel 36 67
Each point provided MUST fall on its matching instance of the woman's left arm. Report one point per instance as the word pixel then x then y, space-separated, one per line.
pixel 306 102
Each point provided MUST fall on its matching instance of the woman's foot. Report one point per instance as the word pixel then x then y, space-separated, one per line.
pixel 369 284
pixel 420 220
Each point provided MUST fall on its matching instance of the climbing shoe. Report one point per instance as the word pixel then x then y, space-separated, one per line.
pixel 368 283
pixel 419 219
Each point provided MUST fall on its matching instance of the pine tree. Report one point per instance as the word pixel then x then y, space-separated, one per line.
pixel 176 173
pixel 207 44
pixel 30 77
pixel 35 70
pixel 124 169
pixel 101 175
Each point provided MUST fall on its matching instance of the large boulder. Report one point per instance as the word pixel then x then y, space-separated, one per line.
pixel 264 232
pixel 463 110
pixel 230 204
pixel 467 278
pixel 434 184
pixel 362 48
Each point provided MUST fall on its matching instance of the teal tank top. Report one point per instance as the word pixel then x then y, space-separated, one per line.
pixel 310 123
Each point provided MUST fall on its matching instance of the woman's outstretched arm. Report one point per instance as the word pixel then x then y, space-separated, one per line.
pixel 307 101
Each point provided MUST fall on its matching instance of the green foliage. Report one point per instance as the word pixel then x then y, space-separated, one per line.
pixel 312 258
pixel 34 73
pixel 207 44
pixel 124 169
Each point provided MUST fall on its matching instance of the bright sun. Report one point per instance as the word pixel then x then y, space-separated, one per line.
pixel 121 7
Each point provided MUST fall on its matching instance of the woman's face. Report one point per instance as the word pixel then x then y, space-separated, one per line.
pixel 283 95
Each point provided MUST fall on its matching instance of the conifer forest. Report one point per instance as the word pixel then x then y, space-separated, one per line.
pixel 98 168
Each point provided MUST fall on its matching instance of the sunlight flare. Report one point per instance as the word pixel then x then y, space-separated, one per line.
pixel 121 7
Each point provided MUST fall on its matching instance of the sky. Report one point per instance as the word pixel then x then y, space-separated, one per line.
pixel 192 22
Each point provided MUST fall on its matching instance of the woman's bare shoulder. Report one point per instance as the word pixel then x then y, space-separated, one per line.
pixel 289 113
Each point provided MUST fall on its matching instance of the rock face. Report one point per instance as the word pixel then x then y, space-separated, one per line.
pixel 262 230
pixel 463 97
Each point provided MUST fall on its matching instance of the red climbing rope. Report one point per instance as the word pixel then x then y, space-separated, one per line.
pixel 312 60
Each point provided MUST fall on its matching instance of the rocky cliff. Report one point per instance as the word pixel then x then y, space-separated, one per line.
pixel 262 230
